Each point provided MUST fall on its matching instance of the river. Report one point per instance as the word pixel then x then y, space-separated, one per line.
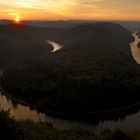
pixel 134 48
pixel 55 45
pixel 126 121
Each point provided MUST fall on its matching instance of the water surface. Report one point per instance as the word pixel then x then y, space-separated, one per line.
pixel 134 48
pixel 55 45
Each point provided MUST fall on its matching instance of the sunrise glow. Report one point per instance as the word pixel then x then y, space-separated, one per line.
pixel 17 20
pixel 71 9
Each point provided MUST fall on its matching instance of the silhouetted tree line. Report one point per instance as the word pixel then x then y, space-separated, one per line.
pixel 28 130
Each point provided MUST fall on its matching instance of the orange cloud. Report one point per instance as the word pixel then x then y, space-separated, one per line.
pixel 71 9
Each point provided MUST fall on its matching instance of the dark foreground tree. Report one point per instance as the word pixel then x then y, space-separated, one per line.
pixel 8 127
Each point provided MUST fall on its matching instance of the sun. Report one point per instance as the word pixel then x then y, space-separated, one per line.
pixel 17 20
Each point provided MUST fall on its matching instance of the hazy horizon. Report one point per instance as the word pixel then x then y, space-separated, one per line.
pixel 55 20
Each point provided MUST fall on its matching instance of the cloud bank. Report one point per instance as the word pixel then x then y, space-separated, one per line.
pixel 73 9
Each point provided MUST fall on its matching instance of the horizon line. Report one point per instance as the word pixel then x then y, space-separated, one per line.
pixel 120 20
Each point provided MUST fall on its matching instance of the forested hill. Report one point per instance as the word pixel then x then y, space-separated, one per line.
pixel 21 41
pixel 94 71
pixel 96 31
pixel 101 39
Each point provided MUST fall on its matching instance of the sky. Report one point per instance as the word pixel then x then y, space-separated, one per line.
pixel 70 9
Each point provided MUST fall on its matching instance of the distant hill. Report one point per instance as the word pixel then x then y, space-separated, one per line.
pixel 95 32
pixel 5 21
pixel 130 25
pixel 98 39
pixel 57 24
pixel 94 71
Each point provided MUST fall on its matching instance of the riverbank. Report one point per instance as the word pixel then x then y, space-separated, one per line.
pixel 135 47
pixel 28 130
pixel 16 100
pixel 81 116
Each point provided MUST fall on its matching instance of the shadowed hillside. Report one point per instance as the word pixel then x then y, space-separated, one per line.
pixel 94 71
pixel 19 41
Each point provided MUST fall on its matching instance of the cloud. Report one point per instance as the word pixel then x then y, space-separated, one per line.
pixel 75 8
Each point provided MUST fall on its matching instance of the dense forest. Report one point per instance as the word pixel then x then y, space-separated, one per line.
pixel 94 71
pixel 28 130
pixel 20 41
